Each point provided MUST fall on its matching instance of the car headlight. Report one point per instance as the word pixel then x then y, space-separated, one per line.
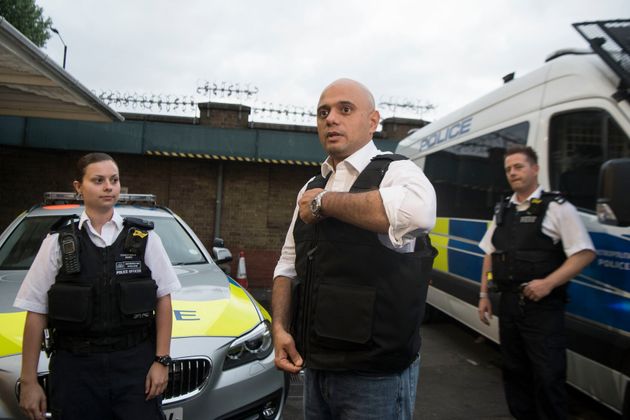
pixel 254 345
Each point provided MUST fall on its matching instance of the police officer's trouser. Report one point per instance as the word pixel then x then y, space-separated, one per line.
pixel 103 386
pixel 533 346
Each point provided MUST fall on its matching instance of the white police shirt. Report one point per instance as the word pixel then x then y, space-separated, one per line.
pixel 408 197
pixel 33 294
pixel 561 223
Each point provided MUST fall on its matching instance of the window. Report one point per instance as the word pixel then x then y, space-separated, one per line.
pixel 19 251
pixel 579 142
pixel 469 178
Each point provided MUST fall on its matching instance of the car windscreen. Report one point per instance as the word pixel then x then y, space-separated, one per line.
pixel 20 248
pixel 180 247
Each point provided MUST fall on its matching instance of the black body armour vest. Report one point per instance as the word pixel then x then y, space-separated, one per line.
pixel 523 251
pixel 358 304
pixel 105 300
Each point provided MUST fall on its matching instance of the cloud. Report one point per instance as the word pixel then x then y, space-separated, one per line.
pixel 444 52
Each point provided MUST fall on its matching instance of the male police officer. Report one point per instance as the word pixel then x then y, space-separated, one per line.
pixel 534 246
pixel 357 256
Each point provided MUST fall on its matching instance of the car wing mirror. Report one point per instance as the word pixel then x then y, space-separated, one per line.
pixel 220 254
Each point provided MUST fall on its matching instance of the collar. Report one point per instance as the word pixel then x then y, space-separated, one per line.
pixel 536 194
pixel 116 219
pixel 358 160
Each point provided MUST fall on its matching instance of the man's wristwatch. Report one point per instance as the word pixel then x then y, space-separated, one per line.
pixel 164 360
pixel 316 204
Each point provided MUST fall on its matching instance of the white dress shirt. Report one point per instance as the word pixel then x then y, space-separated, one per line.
pixel 33 294
pixel 561 223
pixel 407 194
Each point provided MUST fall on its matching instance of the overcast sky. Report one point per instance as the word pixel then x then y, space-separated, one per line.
pixel 440 52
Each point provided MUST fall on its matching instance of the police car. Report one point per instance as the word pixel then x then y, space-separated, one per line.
pixel 223 354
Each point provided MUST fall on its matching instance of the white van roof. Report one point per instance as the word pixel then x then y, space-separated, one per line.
pixel 568 77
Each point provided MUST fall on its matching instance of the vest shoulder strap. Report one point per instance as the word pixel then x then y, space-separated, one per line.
pixel 137 235
pixel 317 182
pixel 370 178
pixel 499 210
pixel 546 198
pixel 69 243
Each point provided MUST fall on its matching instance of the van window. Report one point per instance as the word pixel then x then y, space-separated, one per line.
pixel 579 142
pixel 469 178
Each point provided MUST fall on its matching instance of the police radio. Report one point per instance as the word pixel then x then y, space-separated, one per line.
pixel 70 252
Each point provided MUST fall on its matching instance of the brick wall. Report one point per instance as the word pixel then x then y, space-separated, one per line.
pixel 224 115
pixel 258 199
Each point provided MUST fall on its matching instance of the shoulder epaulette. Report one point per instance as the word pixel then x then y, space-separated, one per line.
pixel 138 223
pixel 63 223
pixel 389 156
pixel 554 196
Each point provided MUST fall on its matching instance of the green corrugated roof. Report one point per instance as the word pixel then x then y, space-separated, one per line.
pixel 164 139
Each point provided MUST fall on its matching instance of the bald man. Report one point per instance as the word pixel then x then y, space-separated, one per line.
pixel 350 286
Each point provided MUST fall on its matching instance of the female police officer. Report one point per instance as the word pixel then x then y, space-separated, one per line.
pixel 102 286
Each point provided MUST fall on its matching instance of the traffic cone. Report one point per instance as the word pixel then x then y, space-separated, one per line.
pixel 241 272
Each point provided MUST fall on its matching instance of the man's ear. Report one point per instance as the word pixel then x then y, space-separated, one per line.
pixel 375 118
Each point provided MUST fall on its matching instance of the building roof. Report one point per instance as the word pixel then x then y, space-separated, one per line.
pixel 32 85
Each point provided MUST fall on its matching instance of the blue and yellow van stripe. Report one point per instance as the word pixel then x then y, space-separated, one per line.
pixel 601 293
pixel 457 243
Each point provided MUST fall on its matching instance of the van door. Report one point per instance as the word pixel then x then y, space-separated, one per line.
pixel 580 137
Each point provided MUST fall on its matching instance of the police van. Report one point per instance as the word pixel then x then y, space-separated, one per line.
pixel 575 112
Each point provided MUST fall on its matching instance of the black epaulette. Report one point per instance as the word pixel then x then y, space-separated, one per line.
pixel 138 223
pixel 63 223
pixel 137 234
pixel 554 196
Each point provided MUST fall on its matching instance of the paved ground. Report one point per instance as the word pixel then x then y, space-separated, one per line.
pixel 460 379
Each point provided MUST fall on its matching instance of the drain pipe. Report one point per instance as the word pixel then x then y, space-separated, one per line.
pixel 217 209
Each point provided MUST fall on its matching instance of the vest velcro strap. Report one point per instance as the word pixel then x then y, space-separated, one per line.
pixel 88 345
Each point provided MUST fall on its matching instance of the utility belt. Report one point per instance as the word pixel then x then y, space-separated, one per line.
pixel 505 286
pixel 559 294
pixel 107 344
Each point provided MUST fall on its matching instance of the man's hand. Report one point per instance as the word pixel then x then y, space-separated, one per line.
pixel 156 381
pixel 305 206
pixel 485 310
pixel 537 289
pixel 287 357
pixel 32 400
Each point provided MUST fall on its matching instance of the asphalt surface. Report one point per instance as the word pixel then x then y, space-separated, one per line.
pixel 460 378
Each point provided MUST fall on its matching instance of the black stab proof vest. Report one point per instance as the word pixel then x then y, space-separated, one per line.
pixel 103 299
pixel 358 305
pixel 523 251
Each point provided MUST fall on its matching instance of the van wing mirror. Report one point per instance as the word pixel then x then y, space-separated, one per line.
pixel 613 200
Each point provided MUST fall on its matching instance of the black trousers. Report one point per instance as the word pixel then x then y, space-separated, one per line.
pixel 533 347
pixel 103 386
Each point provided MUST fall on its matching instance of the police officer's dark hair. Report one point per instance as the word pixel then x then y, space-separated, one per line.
pixel 530 153
pixel 88 159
